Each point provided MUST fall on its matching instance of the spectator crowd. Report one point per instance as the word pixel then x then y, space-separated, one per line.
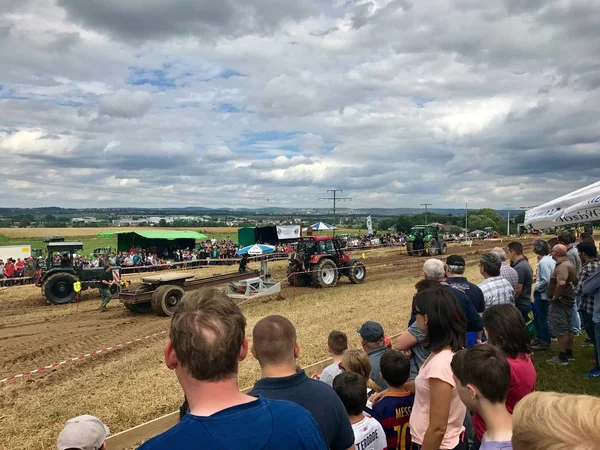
pixel 460 377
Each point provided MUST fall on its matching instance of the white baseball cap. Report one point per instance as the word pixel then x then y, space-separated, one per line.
pixel 84 433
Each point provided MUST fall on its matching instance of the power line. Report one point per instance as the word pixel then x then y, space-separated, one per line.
pixel 335 199
pixel 426 205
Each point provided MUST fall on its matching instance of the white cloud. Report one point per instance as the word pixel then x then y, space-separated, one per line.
pixel 226 104
pixel 125 103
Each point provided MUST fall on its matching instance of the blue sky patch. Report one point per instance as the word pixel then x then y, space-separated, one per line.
pixel 160 78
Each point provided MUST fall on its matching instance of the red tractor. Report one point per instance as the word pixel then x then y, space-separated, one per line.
pixel 320 260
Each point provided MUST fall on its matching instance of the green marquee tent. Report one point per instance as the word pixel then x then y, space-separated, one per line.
pixel 171 239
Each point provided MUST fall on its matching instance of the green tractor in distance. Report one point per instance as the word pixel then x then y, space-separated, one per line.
pixel 426 240
pixel 58 278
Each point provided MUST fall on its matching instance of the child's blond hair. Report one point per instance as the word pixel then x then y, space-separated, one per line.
pixel 358 361
pixel 553 421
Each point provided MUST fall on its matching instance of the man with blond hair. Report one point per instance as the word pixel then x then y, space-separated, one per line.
pixel 206 343
pixel 561 295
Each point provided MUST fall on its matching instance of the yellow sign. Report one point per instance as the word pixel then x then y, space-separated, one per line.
pixel 25 249
pixel 77 286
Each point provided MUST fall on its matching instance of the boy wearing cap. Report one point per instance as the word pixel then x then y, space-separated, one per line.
pixel 83 433
pixel 373 342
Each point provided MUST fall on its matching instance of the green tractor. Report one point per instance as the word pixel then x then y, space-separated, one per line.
pixel 59 276
pixel 426 240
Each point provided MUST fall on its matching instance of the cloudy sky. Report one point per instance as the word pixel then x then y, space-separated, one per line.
pixel 270 102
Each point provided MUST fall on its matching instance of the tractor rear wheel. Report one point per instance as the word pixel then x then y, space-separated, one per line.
pixel 357 273
pixel 444 248
pixel 140 308
pixel 58 288
pixel 409 248
pixel 166 298
pixel 325 274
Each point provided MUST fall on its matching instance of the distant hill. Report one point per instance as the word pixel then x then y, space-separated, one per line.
pixel 199 210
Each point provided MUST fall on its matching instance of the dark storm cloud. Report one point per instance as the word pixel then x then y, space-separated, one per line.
pixel 140 20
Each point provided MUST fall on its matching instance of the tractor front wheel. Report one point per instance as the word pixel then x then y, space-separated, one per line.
pixel 166 298
pixel 357 273
pixel 444 248
pixel 409 248
pixel 58 288
pixel 296 277
pixel 325 274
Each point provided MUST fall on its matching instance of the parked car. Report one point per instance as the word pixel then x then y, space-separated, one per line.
pixel 54 239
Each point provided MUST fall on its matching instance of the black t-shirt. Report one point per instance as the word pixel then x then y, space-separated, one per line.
pixel 106 276
pixel 316 397
pixel 472 290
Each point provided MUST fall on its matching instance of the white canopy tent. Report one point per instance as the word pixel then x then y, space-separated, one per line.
pixel 582 205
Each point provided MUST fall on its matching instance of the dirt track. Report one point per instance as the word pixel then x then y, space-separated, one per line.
pixel 34 334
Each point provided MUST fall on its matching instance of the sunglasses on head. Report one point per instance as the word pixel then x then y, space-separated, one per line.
pixel 416 311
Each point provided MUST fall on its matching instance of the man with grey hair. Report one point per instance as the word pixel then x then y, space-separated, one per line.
pixel 455 277
pixel 496 289
pixel 506 272
pixel 433 269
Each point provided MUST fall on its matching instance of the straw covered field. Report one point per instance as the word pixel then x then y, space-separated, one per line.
pixel 131 385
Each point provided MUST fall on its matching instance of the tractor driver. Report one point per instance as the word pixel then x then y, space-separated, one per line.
pixel 106 282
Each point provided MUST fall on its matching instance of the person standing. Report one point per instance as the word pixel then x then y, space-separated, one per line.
pixel 590 264
pixel 496 289
pixel 455 278
pixel 523 289
pixel 568 240
pixel 506 272
pixel 337 344
pixel 207 341
pixel 561 295
pixel 545 268
pixel 437 417
pixel 373 343
pixel 106 282
pixel 275 347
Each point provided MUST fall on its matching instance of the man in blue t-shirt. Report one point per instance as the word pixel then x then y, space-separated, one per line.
pixel 275 347
pixel 207 341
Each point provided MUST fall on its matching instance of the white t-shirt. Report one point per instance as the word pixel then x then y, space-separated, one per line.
pixel 369 435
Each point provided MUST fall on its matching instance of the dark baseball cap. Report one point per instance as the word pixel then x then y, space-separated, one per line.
pixel 455 260
pixel 371 331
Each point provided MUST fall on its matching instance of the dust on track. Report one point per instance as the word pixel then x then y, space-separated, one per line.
pixel 34 334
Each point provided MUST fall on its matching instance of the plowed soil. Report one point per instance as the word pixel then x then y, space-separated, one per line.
pixel 131 385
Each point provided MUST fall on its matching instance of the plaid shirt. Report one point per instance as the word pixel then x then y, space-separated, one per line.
pixel 510 274
pixel 497 291
pixel 587 270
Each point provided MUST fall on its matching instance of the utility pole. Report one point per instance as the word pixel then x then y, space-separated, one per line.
pixel 508 220
pixel 466 217
pixel 335 199
pixel 426 205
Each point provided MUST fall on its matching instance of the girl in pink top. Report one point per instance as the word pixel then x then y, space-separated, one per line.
pixel 438 414
pixel 506 329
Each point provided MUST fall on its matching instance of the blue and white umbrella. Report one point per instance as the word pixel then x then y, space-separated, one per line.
pixel 322 226
pixel 256 250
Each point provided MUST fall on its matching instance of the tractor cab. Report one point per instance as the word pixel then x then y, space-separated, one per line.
pixel 310 250
pixel 60 254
